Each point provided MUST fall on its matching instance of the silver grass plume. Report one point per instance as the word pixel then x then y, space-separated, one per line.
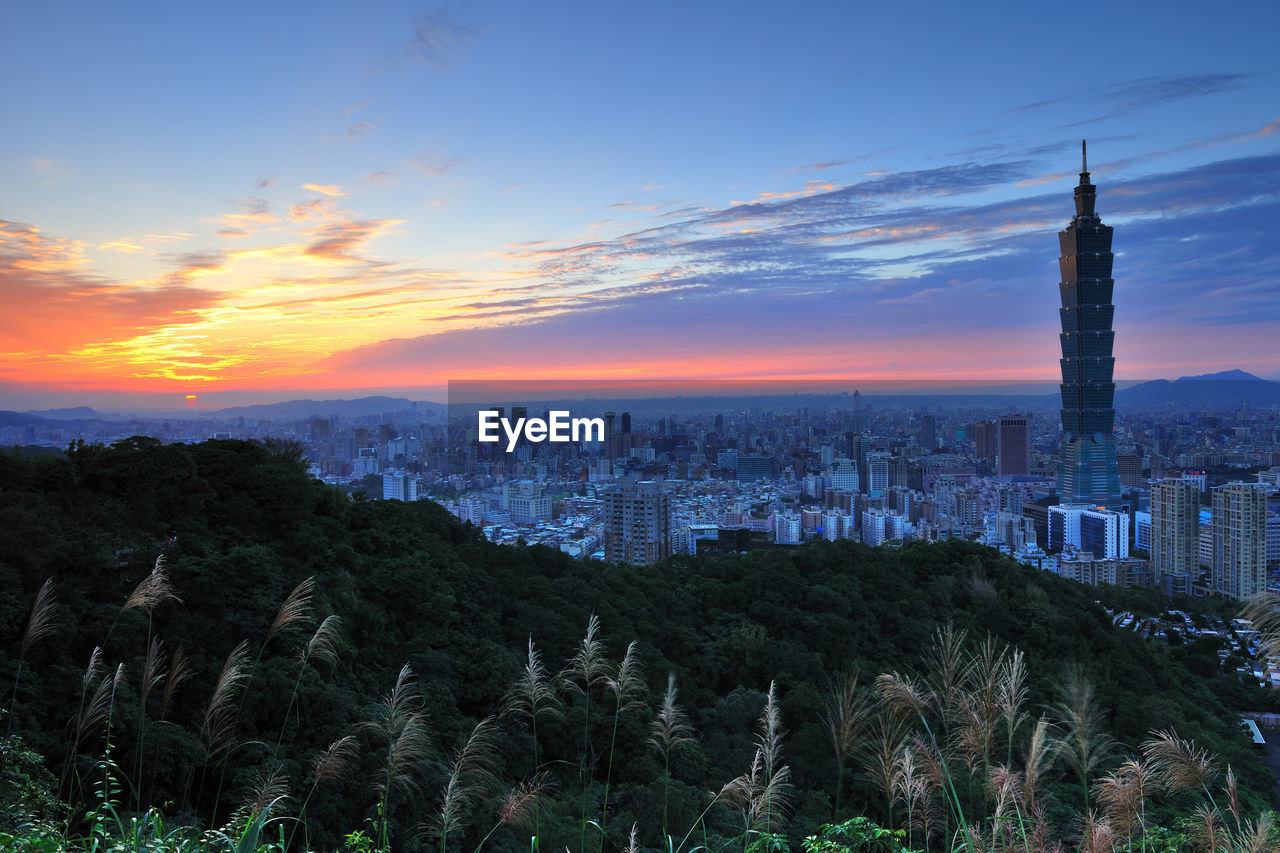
pixel 153 672
pixel 588 667
pixel 264 789
pixel 323 644
pixel 152 591
pixel 296 608
pixel 670 726
pixel 1085 742
pixel 532 692
pixel 628 687
pixel 217 727
pixel 471 772
pixel 522 802
pixel 404 727
pixel 42 621
pixel 179 672
pixel 1178 764
pixel 338 762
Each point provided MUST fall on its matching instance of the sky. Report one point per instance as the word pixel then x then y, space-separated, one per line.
pixel 253 202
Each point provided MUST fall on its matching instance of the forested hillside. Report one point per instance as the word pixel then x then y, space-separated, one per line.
pixel 238 529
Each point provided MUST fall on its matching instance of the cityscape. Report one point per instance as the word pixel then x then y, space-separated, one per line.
pixel 355 359
pixel 1184 500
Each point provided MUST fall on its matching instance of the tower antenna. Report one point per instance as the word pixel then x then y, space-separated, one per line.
pixel 1084 160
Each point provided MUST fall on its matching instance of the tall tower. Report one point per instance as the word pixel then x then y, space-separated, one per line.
pixel 1087 470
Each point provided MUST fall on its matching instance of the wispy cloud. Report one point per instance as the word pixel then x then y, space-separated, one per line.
pixel 330 190
pixel 440 37
pixel 339 240
pixel 436 167
pixel 1142 93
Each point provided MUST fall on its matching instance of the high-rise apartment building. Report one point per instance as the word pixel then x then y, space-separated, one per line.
pixel 1013 446
pixel 877 468
pixel 1239 540
pixel 637 524
pixel 1175 529
pixel 1087 469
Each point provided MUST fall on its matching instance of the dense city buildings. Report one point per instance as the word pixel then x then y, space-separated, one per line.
pixel 1181 496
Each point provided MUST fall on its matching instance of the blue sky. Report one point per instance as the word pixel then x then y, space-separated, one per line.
pixel 242 200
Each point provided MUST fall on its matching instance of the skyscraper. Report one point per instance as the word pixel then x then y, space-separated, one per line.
pixel 1087 470
pixel 1013 447
pixel 985 440
pixel 928 433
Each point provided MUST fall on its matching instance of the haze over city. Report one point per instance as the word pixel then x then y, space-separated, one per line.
pixel 219 206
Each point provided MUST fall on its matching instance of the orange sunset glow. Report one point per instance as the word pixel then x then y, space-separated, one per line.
pixel 375 217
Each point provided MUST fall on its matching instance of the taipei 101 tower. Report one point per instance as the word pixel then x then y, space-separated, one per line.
pixel 1087 470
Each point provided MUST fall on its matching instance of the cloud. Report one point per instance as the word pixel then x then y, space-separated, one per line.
pixel 43 166
pixel 1145 92
pixel 210 259
pixel 435 168
pixel 358 108
pixel 254 212
pixel 821 167
pixel 330 190
pixel 439 38
pixel 339 240
pixel 63 307
pixel 359 130
pixel 124 246
pixel 1150 91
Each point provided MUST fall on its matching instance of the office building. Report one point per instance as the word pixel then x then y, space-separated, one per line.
pixel 1101 532
pixel 1013 446
pixel 928 433
pixel 1087 469
pixel 985 440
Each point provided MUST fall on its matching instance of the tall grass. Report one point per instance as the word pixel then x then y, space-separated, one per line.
pixel 472 772
pixel 955 754
pixel 670 729
pixel 531 694
pixel 845 711
pixel 403 726
pixel 585 672
pixel 629 693
pixel 41 622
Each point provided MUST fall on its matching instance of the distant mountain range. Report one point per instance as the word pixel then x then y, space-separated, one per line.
pixel 1227 389
pixel 1234 388
pixel 362 407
